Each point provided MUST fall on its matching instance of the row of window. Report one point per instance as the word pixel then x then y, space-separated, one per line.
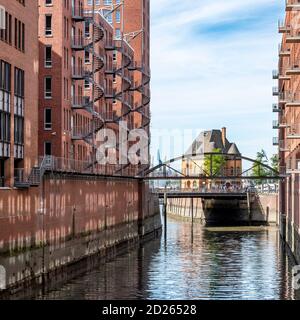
pixel 5 101
pixel 5 79
pixel 13 32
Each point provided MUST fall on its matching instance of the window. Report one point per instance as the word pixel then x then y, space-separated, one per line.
pixel 48 2
pixel 87 28
pixel 48 25
pixel 48 87
pixel 2 17
pixel 118 16
pixel 87 57
pixel 5 26
pixel 48 56
pixel 48 119
pixel 19 35
pixel 118 34
pixel 5 104
pixel 107 2
pixel 48 148
pixel 108 15
pixel 19 130
pixel 19 83
pixel 19 80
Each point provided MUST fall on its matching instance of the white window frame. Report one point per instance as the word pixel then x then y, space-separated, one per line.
pixel 47 123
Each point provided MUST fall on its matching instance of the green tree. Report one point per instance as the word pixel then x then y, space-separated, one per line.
pixel 274 162
pixel 258 168
pixel 216 162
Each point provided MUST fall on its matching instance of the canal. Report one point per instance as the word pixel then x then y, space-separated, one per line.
pixel 218 263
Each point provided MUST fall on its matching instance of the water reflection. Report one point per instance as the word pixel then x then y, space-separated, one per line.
pixel 210 264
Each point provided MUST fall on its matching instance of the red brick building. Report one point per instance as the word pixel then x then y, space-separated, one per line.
pixel 94 73
pixel 61 79
pixel 288 123
pixel 18 90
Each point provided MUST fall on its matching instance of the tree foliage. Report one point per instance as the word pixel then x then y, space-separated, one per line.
pixel 275 162
pixel 258 169
pixel 217 162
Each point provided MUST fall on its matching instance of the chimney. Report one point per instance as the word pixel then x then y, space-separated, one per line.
pixel 224 136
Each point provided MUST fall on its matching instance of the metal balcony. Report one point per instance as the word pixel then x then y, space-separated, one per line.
pixel 293 69
pixel 21 180
pixel 276 108
pixel 293 36
pixel 78 73
pixel 282 27
pixel 77 14
pixel 292 5
pixel 80 133
pixel 276 124
pixel 275 74
pixel 77 43
pixel 284 146
pixel 291 99
pixel 283 52
pixel 80 102
pixel 275 91
pixel 275 141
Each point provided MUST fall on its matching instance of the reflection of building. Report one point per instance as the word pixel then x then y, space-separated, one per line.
pixel 208 142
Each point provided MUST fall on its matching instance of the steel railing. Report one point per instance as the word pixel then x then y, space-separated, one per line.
pixel 57 164
pixel 77 12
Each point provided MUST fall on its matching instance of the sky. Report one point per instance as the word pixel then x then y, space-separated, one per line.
pixel 211 66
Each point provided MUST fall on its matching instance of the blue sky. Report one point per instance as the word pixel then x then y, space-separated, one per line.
pixel 211 65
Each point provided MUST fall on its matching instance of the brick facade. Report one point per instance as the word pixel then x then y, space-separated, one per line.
pixel 19 48
pixel 288 123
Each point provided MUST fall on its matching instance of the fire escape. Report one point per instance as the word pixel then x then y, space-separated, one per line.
pixel 91 76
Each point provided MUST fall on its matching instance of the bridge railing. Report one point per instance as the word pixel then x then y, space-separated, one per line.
pixel 203 190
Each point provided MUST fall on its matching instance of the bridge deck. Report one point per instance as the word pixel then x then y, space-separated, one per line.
pixel 204 195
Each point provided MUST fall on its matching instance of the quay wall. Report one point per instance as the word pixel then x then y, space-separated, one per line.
pixel 290 213
pixel 263 210
pixel 68 219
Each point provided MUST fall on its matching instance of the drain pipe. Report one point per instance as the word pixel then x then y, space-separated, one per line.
pixel 249 206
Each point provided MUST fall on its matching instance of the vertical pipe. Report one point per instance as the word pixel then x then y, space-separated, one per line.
pixel 192 209
pixel 249 206
pixel 165 213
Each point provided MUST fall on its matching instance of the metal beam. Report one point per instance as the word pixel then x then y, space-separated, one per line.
pixel 214 178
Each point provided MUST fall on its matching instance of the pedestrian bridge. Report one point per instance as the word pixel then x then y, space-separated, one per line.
pixel 213 166
pixel 205 194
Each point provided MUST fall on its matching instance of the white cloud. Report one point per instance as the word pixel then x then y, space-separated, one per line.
pixel 209 80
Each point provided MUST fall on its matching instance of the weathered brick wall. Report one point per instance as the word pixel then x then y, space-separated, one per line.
pixel 73 206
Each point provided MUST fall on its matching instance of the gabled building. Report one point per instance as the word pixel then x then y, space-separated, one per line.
pixel 209 142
